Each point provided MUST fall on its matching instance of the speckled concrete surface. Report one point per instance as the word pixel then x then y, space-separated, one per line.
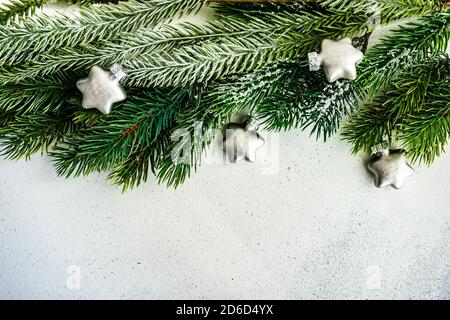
pixel 318 228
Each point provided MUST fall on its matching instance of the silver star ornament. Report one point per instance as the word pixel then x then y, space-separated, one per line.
pixel 339 59
pixel 101 89
pixel 241 142
pixel 390 168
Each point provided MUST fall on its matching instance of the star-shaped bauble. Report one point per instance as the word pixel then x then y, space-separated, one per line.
pixel 390 168
pixel 240 142
pixel 339 59
pixel 101 90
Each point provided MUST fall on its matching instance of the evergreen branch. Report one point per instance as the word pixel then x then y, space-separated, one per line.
pixel 14 9
pixel 174 174
pixel 27 134
pixel 158 155
pixel 41 95
pixel 170 158
pixel 21 42
pixel 386 60
pixel 386 11
pixel 369 127
pixel 307 100
pixel 424 133
pixel 256 8
pixel 393 63
pixel 407 93
pixel 383 5
pixel 176 55
pixel 129 48
pixel 247 60
pixel 394 116
pixel 211 112
pixel 237 55
pixel 239 40
pixel 134 170
pixel 207 62
pixel 132 126
pixel 6 117
pixel 35 114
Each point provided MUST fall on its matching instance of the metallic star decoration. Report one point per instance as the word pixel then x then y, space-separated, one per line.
pixel 339 59
pixel 390 168
pixel 101 90
pixel 240 142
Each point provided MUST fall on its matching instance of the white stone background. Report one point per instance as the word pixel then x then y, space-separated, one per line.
pixel 318 228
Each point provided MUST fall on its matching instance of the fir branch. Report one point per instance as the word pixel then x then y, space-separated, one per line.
pixel 424 133
pixel 207 62
pixel 392 64
pixel 237 60
pixel 211 111
pixel 150 60
pixel 408 92
pixel 406 45
pixel 186 53
pixel 159 155
pixel 173 158
pixel 387 10
pixel 35 114
pixel 369 127
pixel 307 100
pixel 134 170
pixel 210 60
pixel 28 133
pixel 134 125
pixel 16 9
pixel 395 115
pixel 383 5
pixel 41 95
pixel 255 8
pixel 129 48
pixel 6 117
pixel 173 174
pixel 21 42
